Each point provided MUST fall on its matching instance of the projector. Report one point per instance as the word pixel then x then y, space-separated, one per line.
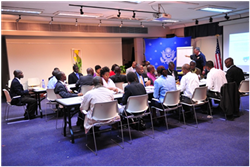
pixel 161 17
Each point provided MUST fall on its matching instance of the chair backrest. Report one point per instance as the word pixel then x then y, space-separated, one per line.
pixel 33 82
pixel 51 96
pixel 137 104
pixel 105 110
pixel 244 86
pixel 172 98
pixel 124 85
pixel 9 83
pixel 86 88
pixel 119 85
pixel 200 94
pixel 58 96
pixel 7 95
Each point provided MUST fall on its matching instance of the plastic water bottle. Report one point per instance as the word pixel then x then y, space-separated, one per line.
pixel 43 84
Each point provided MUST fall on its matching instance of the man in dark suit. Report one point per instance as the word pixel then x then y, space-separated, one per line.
pixel 16 89
pixel 85 80
pixel 171 70
pixel 234 73
pixel 74 76
pixel 118 77
pixel 142 77
pixel 133 89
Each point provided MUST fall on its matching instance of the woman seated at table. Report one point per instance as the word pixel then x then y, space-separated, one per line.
pixel 107 82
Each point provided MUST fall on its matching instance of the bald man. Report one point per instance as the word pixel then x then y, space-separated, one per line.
pixel 234 73
pixel 85 80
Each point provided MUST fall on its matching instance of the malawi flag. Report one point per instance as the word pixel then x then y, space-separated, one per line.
pixel 218 63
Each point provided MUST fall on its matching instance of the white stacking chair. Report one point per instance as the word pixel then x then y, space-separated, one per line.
pixel 124 85
pixel 60 106
pixel 51 97
pixel 119 85
pixel 137 107
pixel 171 102
pixel 199 98
pixel 103 112
pixel 244 90
pixel 7 109
pixel 86 88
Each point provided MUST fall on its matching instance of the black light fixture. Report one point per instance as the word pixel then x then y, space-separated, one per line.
pixel 227 17
pixel 119 13
pixel 81 12
pixel 196 21
pixel 142 25
pixel 121 24
pixel 99 25
pixel 163 26
pixel 211 20
pixel 17 20
pixel 76 23
pixel 51 20
pixel 133 14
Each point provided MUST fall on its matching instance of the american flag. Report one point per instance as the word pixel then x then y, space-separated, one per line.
pixel 218 64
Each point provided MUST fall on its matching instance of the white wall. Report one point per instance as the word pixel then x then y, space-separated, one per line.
pixel 37 56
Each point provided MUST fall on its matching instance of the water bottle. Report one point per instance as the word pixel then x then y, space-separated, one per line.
pixel 43 84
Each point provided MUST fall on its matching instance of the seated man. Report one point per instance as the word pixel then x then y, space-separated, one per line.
pixel 194 69
pixel 96 95
pixel 234 73
pixel 133 89
pixel 216 78
pixel 118 77
pixel 162 85
pixel 74 76
pixel 52 82
pixel 151 73
pixel 85 80
pixel 171 71
pixel 16 89
pixel 63 91
pixel 142 77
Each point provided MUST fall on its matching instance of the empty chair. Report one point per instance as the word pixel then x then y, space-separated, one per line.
pixel 199 98
pixel 124 85
pixel 244 89
pixel 51 97
pixel 33 82
pixel 119 85
pixel 7 109
pixel 137 107
pixel 171 102
pixel 103 112
pixel 86 88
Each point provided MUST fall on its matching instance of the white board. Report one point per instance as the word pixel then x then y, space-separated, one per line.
pixel 181 58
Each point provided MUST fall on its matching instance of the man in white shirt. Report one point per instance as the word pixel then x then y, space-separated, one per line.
pixel 132 68
pixel 216 78
pixel 98 94
pixel 52 81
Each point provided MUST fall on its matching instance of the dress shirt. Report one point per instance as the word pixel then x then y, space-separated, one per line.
pixel 152 77
pixel 130 69
pixel 162 85
pixel 216 78
pixel 188 83
pixel 96 95
pixel 52 83
pixel 109 84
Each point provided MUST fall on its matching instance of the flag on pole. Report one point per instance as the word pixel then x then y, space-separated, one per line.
pixel 218 63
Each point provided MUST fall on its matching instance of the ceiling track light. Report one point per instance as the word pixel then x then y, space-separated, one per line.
pixel 76 23
pixel 210 19
pixel 142 25
pixel 163 26
pixel 227 17
pixel 121 24
pixel 119 13
pixel 51 20
pixel 133 14
pixel 196 21
pixel 99 25
pixel 17 20
pixel 81 12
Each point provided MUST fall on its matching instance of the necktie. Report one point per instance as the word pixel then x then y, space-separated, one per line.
pixel 77 75
pixel 141 80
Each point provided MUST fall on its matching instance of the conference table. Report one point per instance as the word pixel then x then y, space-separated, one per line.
pixel 75 102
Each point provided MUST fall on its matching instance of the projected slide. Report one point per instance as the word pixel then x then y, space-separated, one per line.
pixel 239 49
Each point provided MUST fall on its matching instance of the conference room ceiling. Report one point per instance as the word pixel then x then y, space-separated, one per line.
pixel 183 11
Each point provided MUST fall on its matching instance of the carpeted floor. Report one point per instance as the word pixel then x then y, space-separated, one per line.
pixel 39 143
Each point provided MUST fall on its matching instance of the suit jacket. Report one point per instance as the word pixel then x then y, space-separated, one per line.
pixel 175 74
pixel 73 78
pixel 143 76
pixel 16 89
pixel 235 74
pixel 118 78
pixel 84 80
pixel 133 89
pixel 62 91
